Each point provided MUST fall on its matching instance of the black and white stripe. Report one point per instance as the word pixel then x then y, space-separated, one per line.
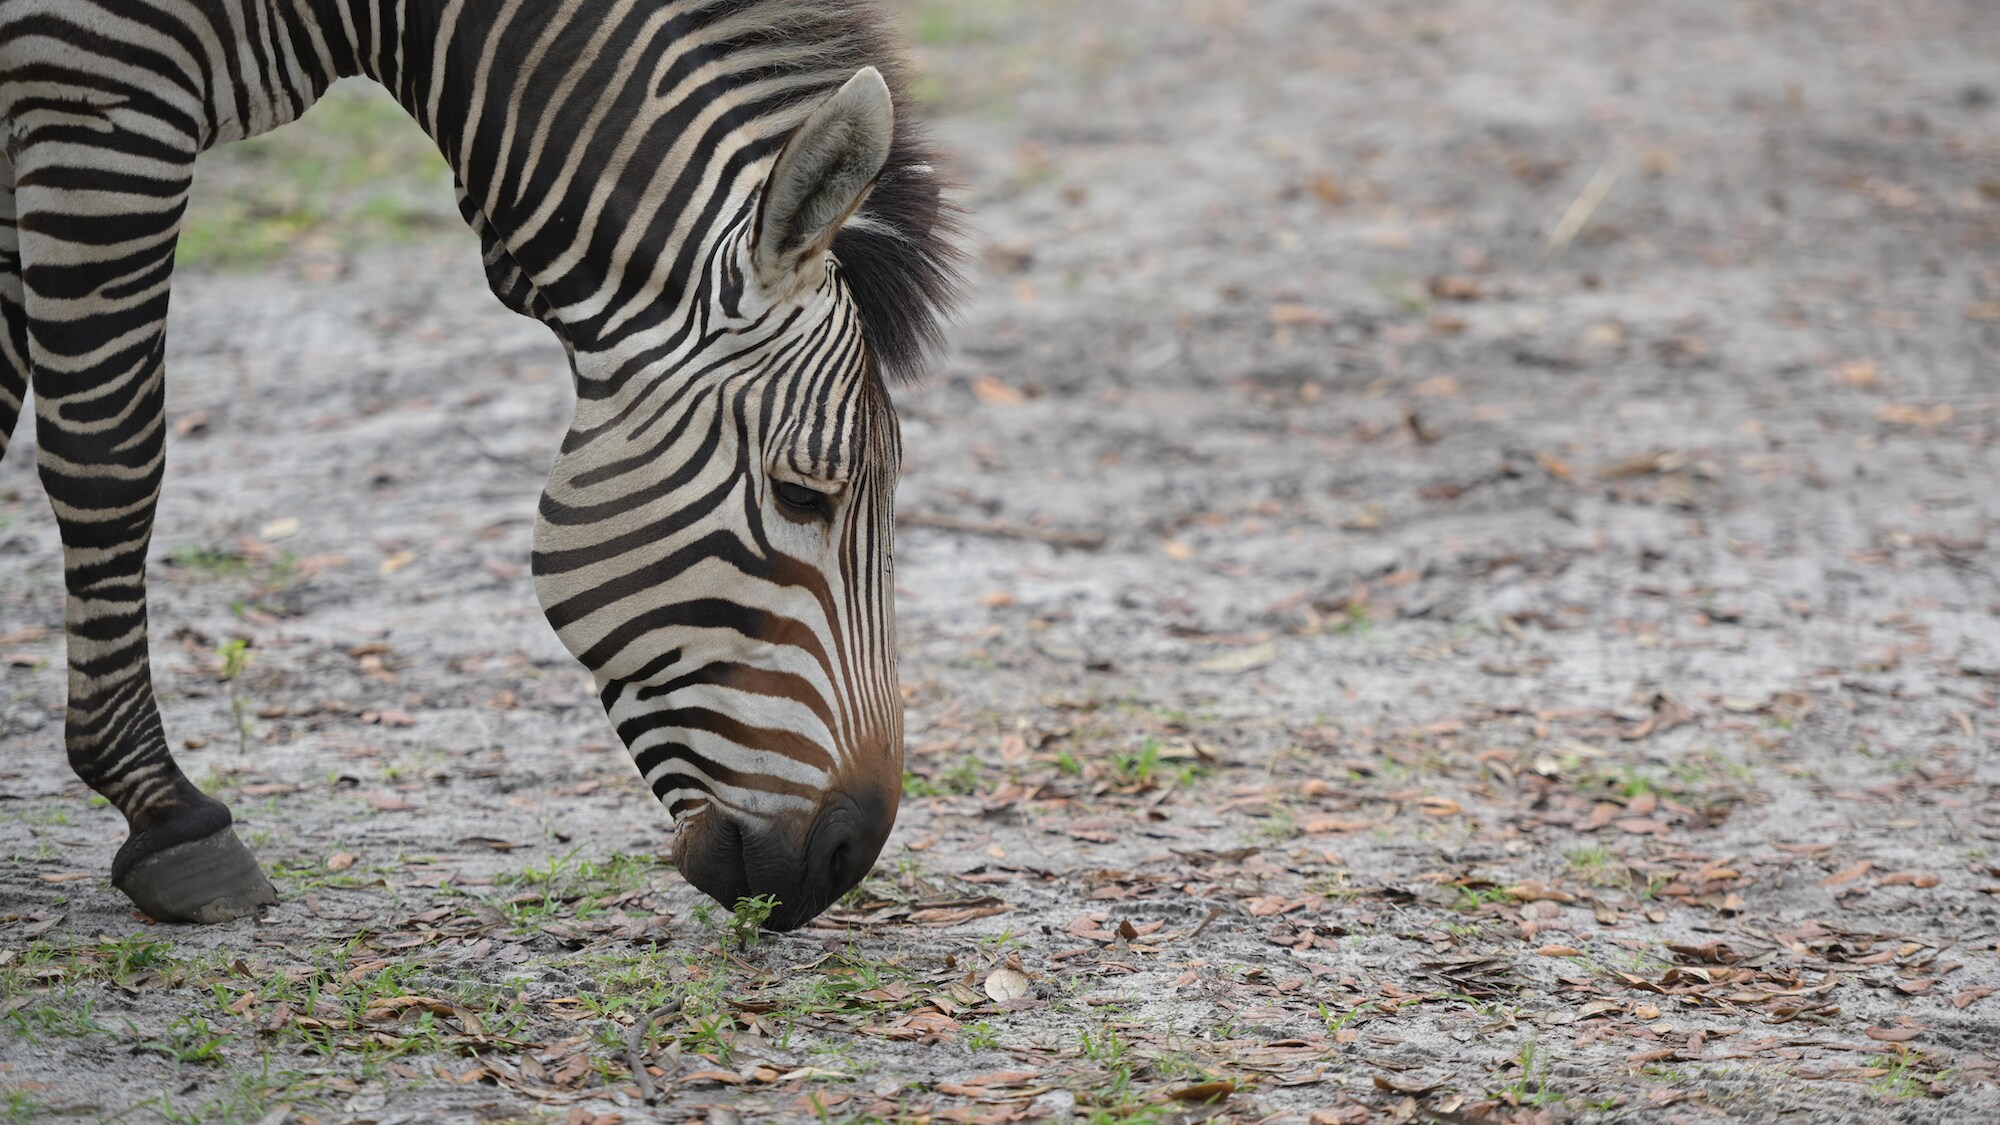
pixel 738 241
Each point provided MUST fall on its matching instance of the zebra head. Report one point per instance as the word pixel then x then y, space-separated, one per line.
pixel 715 542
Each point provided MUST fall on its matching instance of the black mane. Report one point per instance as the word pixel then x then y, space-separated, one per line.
pixel 900 254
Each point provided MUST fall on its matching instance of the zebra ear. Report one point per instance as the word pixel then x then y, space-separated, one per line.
pixel 822 175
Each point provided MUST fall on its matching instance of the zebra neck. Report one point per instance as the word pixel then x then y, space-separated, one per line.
pixel 607 144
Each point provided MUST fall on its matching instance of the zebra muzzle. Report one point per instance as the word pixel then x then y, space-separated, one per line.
pixel 805 872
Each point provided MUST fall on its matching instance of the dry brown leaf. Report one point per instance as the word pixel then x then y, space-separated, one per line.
pixel 397 561
pixel 1413 1089
pixel 1969 996
pixel 1456 287
pixel 1848 874
pixel 396 1007
pixel 991 390
pixel 1289 315
pixel 1915 414
pixel 340 861
pixel 1559 951
pixel 1863 373
pixel 1242 660
pixel 1207 1093
pixel 1006 984
pixel 1892 1034
pixel 1325 825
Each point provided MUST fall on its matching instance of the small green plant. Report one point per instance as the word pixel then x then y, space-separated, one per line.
pixel 1472 898
pixel 1906 1077
pixel 188 1039
pixel 746 921
pixel 981 1036
pixel 20 1106
pixel 68 1014
pixel 962 779
pixel 1355 622
pixel 235 656
pixel 209 562
pixel 1335 1026
pixel 1599 866
pixel 1529 1084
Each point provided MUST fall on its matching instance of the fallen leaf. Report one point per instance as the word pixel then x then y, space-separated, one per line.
pixel 397 561
pixel 1206 1093
pixel 1892 1034
pixel 1972 995
pixel 1288 315
pixel 282 528
pixel 1863 373
pixel 1915 414
pixel 1242 660
pixel 1006 984
pixel 991 390
pixel 1456 287
pixel 195 422
pixel 1413 1089
pixel 1848 874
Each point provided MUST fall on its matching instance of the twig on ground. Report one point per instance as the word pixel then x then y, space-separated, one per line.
pixel 998 529
pixel 635 1057
pixel 1214 912
pixel 1584 206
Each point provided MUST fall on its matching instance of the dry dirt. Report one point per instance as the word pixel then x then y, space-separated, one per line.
pixel 1449 576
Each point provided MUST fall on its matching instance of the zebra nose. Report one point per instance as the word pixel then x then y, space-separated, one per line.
pixel 848 836
pixel 804 872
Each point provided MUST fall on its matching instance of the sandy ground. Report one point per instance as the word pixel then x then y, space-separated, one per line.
pixel 1449 576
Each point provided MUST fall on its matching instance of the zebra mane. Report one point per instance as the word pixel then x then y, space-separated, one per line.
pixel 900 253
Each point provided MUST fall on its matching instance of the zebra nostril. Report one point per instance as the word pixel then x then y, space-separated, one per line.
pixel 836 861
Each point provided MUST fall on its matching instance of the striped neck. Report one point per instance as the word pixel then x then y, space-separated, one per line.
pixel 607 143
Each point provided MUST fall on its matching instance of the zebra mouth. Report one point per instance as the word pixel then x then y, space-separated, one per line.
pixel 730 861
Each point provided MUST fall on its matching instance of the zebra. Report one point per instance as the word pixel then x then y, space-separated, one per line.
pixel 741 246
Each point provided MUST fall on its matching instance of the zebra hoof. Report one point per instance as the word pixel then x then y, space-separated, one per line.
pixel 213 879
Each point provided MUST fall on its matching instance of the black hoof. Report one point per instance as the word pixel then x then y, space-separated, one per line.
pixel 213 879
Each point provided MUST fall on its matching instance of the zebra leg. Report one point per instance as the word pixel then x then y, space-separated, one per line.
pixel 13 318
pixel 96 241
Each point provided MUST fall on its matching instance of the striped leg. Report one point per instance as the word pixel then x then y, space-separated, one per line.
pixel 13 318
pixel 96 230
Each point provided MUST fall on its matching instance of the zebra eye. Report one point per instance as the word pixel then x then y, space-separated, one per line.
pixel 799 498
